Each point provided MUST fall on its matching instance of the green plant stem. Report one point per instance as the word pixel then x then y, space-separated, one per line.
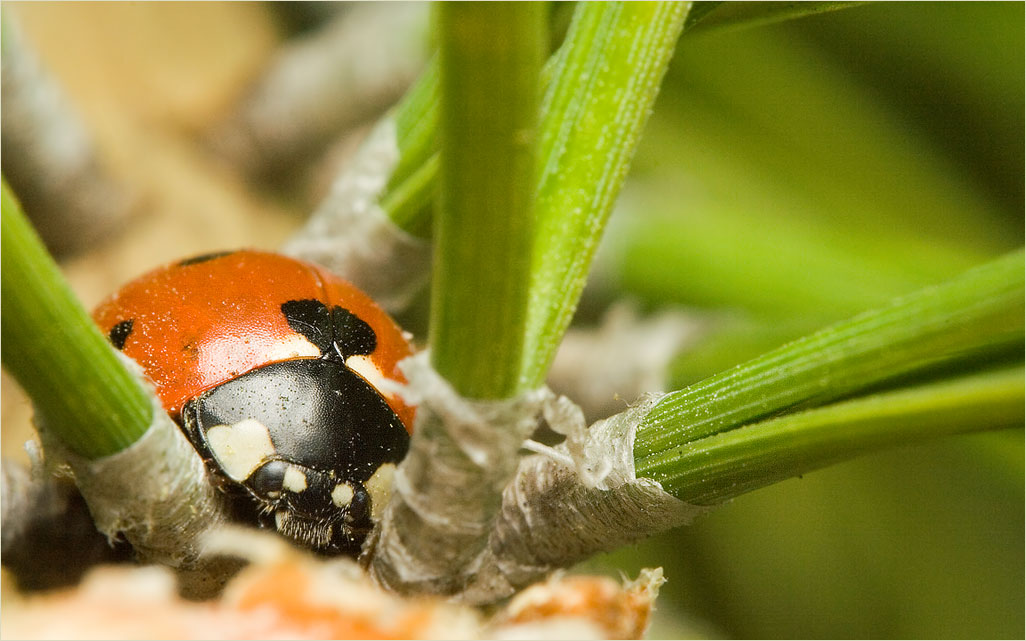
pixel 699 11
pixel 707 16
pixel 729 341
pixel 80 390
pixel 720 467
pixel 410 192
pixel 407 198
pixel 416 122
pixel 604 81
pixel 965 316
pixel 408 203
pixel 490 57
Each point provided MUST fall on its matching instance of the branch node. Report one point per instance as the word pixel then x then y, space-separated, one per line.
pixel 448 489
pixel 154 492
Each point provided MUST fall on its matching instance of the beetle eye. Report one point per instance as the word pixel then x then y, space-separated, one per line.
pixel 360 505
pixel 268 479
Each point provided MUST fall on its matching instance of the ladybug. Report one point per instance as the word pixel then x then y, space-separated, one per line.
pixel 273 368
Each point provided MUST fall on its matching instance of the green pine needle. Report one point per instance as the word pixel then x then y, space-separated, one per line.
pixel 79 388
pixel 490 57
pixel 979 313
pixel 720 467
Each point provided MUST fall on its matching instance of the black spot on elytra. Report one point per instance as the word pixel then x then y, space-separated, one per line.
pixel 202 258
pixel 352 334
pixel 335 332
pixel 120 332
pixel 312 319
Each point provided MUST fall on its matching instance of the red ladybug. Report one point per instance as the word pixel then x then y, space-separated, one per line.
pixel 271 366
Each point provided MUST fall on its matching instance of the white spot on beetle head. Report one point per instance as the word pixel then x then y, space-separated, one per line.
pixel 241 448
pixel 379 487
pixel 294 480
pixel 342 495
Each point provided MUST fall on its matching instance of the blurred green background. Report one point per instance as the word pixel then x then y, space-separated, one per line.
pixel 796 174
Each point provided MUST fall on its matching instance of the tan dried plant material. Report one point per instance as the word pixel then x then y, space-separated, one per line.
pixel 618 611
pixel 295 597
pixel 286 593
